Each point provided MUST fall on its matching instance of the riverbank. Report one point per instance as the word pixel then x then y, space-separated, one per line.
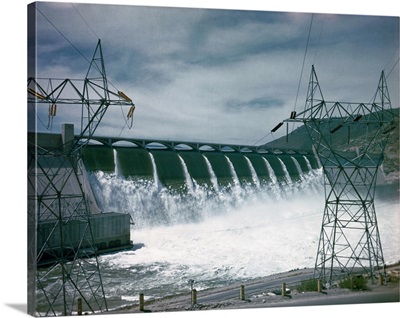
pixel 264 293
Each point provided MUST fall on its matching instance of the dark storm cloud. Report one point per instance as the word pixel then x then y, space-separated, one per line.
pixel 261 103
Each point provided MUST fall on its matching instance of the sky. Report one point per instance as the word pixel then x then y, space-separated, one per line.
pixel 215 75
pixel 342 66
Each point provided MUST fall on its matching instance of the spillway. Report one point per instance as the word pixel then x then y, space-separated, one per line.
pixel 164 187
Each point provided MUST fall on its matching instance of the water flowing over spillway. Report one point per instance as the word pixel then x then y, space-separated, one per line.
pixel 228 224
pixel 151 203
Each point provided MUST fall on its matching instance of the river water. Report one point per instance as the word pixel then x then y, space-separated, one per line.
pixel 216 235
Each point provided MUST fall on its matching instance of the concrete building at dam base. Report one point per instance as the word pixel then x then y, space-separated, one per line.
pixel 63 214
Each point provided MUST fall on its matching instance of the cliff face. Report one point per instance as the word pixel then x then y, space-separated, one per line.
pixel 347 140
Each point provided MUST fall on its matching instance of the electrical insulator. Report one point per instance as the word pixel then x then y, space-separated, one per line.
pixel 131 110
pixel 277 127
pixel 336 129
pixel 36 94
pixel 53 110
pixel 121 94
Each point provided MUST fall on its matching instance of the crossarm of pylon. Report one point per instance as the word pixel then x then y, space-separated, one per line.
pixel 83 95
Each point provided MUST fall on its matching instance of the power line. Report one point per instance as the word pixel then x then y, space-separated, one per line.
pixel 52 24
pixel 85 21
pixel 109 82
pixel 261 139
pixel 304 59
pixel 319 38
pixel 301 73
pixel 393 67
pixel 95 34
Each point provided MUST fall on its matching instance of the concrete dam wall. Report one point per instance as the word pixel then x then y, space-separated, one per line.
pixel 136 162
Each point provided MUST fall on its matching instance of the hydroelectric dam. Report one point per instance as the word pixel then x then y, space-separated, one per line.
pixel 167 182
pixel 206 163
pixel 151 178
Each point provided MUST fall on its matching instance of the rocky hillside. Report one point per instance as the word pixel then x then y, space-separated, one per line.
pixel 347 140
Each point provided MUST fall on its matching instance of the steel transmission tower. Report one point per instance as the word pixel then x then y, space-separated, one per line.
pixel 62 258
pixel 349 140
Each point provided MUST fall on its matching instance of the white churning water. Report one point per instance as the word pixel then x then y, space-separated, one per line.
pixel 215 234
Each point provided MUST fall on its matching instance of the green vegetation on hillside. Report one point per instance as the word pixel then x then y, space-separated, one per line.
pixel 351 139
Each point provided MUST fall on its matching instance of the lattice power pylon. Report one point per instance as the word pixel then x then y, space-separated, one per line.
pixel 349 140
pixel 62 257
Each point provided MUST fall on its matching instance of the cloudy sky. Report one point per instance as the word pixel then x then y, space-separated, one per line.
pixel 217 75
pixel 191 64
